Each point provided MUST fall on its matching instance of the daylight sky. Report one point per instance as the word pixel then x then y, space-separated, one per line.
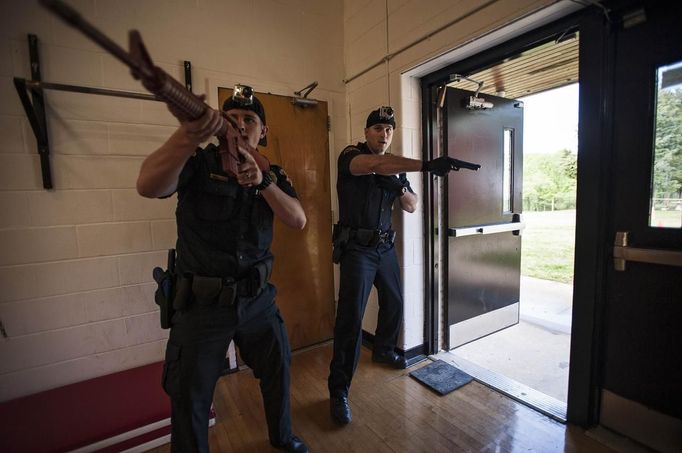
pixel 550 120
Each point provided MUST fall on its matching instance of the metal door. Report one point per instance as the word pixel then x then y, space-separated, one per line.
pixel 643 312
pixel 483 212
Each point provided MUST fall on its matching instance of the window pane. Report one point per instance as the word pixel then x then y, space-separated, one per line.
pixel 507 177
pixel 666 191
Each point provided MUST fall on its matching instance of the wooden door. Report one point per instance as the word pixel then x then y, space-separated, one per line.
pixel 298 141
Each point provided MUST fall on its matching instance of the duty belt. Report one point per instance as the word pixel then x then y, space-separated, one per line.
pixel 370 238
pixel 211 290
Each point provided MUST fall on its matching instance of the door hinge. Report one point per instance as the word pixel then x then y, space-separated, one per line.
pixel 329 123
pixel 633 18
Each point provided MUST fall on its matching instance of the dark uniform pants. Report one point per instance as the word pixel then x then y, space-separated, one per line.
pixel 362 267
pixel 195 357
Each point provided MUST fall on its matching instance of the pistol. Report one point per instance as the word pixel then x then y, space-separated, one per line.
pixel 456 164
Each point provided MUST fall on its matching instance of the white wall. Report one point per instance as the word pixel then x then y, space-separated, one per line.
pixel 76 293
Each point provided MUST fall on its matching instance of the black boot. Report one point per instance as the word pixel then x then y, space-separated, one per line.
pixel 295 445
pixel 340 409
pixel 391 358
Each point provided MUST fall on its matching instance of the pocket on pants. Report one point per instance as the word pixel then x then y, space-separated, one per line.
pixel 283 339
pixel 171 371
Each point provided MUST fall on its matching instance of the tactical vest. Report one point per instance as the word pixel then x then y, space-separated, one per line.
pixel 224 229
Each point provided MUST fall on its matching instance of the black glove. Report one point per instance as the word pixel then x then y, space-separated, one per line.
pixel 440 166
pixel 390 183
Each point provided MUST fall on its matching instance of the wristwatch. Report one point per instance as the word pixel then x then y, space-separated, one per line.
pixel 267 180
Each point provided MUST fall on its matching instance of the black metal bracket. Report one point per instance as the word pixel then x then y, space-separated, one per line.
pixel 34 106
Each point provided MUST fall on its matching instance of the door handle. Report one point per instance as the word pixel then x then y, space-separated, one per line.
pixel 487 229
pixel 622 253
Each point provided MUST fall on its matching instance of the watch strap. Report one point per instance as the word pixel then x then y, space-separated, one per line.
pixel 267 180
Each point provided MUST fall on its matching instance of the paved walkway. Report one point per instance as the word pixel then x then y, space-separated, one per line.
pixel 535 352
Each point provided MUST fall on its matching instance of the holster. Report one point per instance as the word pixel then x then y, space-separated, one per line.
pixel 164 295
pixel 165 292
pixel 340 237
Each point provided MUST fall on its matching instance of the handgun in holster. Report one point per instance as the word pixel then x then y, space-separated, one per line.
pixel 340 237
pixel 166 287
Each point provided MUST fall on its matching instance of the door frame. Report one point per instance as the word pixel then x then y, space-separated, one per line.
pixel 594 159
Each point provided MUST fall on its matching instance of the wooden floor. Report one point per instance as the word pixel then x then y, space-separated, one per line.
pixel 392 412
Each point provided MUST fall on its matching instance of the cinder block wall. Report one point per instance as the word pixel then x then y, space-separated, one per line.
pixel 75 283
pixel 385 44
pixel 76 293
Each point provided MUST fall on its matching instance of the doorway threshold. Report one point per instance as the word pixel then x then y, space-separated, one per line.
pixel 515 390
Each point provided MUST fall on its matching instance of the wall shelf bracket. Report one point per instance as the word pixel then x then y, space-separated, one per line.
pixel 34 104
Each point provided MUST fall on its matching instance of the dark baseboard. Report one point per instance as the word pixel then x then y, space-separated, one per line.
pixel 412 356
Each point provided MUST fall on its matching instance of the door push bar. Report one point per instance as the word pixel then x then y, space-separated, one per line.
pixel 515 226
pixel 623 253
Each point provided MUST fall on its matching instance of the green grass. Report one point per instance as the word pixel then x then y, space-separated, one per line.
pixel 548 242
pixel 667 219
pixel 548 245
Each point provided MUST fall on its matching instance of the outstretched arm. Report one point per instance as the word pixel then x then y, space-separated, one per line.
pixel 160 171
pixel 388 164
pixel 384 164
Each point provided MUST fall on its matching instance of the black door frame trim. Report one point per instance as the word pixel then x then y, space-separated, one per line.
pixel 591 222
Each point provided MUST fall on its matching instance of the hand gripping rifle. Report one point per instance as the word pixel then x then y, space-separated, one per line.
pixel 184 104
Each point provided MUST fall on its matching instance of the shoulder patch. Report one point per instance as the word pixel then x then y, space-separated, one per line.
pixel 281 174
pixel 348 149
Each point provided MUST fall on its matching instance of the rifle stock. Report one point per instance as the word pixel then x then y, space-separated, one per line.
pixel 185 105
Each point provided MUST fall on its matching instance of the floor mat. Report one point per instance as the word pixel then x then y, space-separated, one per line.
pixel 441 377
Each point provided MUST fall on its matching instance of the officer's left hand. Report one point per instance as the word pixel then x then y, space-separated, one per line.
pixel 390 183
pixel 249 174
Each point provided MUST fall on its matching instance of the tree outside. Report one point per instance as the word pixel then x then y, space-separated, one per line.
pixel 549 181
pixel 549 184
pixel 666 203
pixel 549 214
pixel 549 190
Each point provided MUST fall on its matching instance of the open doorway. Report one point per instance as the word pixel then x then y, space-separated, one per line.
pixel 535 351
pixel 509 325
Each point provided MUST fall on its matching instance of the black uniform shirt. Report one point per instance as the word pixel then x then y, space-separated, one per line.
pixel 362 204
pixel 223 228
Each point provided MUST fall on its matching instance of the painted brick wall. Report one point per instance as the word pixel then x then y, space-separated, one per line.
pixel 75 284
pixel 76 294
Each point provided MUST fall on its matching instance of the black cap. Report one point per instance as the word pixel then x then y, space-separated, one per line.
pixel 382 115
pixel 255 107
pixel 251 103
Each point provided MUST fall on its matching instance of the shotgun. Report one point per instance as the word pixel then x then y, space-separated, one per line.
pixel 184 104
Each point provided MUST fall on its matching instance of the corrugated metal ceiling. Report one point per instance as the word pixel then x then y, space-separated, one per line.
pixel 550 65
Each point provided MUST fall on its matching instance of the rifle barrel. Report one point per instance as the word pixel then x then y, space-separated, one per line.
pixel 73 18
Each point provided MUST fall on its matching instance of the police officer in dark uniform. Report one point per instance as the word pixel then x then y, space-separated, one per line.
pixel 369 182
pixel 222 292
